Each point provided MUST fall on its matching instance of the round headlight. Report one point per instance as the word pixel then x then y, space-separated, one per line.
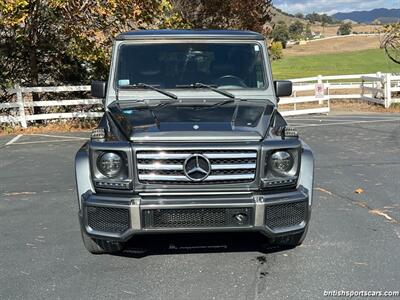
pixel 109 164
pixel 282 162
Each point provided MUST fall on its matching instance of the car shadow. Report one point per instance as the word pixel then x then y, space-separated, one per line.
pixel 193 243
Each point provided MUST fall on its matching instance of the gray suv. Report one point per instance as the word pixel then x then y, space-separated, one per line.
pixel 191 141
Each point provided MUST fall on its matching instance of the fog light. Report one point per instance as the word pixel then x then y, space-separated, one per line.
pixel 240 218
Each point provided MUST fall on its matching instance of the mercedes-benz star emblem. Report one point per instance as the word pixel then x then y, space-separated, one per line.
pixel 197 167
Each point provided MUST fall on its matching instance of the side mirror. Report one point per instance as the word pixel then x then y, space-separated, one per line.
pixel 98 89
pixel 283 88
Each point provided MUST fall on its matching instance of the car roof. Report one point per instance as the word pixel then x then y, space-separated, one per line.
pixel 190 34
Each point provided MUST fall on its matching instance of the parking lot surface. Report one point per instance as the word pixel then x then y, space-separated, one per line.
pixel 352 244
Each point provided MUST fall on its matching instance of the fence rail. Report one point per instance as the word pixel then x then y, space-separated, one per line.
pixel 378 88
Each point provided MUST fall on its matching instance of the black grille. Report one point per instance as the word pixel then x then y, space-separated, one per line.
pixel 198 182
pixel 216 172
pixel 213 161
pixel 202 151
pixel 197 217
pixel 219 174
pixel 285 215
pixel 107 219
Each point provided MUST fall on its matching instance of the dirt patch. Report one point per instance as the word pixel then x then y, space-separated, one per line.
pixel 335 45
pixel 62 126
pixel 345 106
pixel 328 31
pixel 361 106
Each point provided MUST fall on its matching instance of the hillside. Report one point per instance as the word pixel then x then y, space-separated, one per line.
pixel 370 16
pixel 279 15
pixel 331 30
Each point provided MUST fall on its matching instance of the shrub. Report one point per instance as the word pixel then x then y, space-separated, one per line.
pixel 345 29
pixel 276 50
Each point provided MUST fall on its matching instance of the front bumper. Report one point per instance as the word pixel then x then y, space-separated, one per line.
pixel 121 217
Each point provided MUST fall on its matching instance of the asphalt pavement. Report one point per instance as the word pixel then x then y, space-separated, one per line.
pixel 353 242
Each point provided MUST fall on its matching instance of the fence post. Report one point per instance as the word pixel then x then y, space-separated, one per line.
pixel 362 87
pixel 21 106
pixel 329 98
pixel 378 85
pixel 388 90
pixel 320 82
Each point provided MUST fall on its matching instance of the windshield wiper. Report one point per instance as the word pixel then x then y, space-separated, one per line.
pixel 199 85
pixel 165 103
pixel 221 103
pixel 150 87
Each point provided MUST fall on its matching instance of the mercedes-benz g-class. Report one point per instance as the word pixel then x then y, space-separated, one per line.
pixel 191 141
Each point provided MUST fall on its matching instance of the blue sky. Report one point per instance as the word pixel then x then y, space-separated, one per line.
pixel 332 6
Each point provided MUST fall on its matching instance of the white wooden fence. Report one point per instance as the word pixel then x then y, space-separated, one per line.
pixel 22 117
pixel 311 95
pixel 318 91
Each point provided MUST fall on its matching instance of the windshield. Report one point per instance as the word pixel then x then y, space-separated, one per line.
pixel 175 65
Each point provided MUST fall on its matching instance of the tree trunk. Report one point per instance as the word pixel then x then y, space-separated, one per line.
pixel 33 59
pixel 34 80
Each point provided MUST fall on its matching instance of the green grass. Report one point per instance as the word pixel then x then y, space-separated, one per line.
pixel 345 63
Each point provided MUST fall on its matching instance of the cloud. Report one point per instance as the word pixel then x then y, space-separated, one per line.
pixel 332 6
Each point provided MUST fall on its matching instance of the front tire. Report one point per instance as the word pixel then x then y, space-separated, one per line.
pixel 100 246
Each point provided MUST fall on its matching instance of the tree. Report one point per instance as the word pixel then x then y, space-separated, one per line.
pixel 314 17
pixel 307 32
pixel 32 47
pixel 68 41
pixel 323 25
pixel 299 15
pixel 233 14
pixel 296 30
pixel 280 33
pixel 345 29
pixel 323 18
pixel 391 42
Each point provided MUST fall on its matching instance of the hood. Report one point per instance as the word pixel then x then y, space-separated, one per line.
pixel 193 121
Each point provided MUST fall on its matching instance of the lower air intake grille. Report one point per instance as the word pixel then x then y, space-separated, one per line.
pixel 197 217
pixel 107 219
pixel 285 215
